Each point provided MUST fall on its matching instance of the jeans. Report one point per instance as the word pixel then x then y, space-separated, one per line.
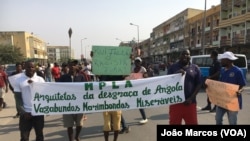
pixel 143 114
pixel 232 116
pixel 48 79
pixel 123 122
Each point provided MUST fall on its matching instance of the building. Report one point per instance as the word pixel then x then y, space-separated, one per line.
pixel 31 46
pixel 235 26
pixel 58 54
pixel 203 38
pixel 168 38
pixel 223 27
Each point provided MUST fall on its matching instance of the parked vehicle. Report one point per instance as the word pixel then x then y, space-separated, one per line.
pixel 204 62
pixel 160 65
pixel 156 69
pixel 10 68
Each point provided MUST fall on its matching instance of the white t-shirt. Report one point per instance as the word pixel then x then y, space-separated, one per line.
pixel 142 70
pixel 25 89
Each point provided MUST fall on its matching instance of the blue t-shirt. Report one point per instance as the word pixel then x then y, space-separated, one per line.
pixel 234 76
pixel 192 79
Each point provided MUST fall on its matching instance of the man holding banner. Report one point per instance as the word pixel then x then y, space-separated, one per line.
pixel 69 120
pixel 230 74
pixel 192 84
pixel 23 92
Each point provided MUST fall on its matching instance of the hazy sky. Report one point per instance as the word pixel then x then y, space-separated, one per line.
pixel 100 21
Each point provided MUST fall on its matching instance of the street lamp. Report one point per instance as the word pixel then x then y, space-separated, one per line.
pixel 86 52
pixel 118 39
pixel 121 42
pixel 203 29
pixel 137 35
pixel 137 32
pixel 81 48
pixel 70 33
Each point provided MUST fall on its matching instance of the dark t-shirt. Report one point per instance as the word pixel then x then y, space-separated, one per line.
pixel 192 79
pixel 67 78
pixel 215 67
pixel 111 77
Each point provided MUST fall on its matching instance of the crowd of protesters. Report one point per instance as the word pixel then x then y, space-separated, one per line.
pixel 113 120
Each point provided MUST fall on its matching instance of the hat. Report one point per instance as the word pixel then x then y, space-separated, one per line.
pixel 138 58
pixel 227 55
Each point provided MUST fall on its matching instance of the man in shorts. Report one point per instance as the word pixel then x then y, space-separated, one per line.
pixel 112 119
pixel 69 120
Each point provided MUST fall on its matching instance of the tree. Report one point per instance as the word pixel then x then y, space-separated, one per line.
pixel 10 54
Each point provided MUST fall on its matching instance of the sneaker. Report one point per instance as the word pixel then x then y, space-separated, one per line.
pixel 206 108
pixel 125 130
pixel 16 116
pixel 213 110
pixel 143 121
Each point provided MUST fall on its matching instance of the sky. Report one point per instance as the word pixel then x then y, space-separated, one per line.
pixel 93 22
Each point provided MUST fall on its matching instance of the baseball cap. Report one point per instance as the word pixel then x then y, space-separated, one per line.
pixel 227 55
pixel 138 58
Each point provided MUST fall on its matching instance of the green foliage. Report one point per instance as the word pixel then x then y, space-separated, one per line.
pixel 10 54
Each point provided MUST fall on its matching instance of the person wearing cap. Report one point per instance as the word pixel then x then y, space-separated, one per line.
pixel 140 69
pixel 234 75
pixel 192 83
pixel 214 74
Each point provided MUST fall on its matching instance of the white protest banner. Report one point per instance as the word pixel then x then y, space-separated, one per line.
pixel 88 97
pixel 13 81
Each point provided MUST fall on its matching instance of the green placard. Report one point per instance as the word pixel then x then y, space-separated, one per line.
pixel 111 60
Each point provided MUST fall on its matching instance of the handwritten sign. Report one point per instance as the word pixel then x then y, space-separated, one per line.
pixel 134 76
pixel 110 60
pixel 223 94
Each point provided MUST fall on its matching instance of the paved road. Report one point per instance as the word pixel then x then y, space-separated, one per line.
pixel 92 130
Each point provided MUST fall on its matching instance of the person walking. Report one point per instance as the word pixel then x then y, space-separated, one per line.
pixel 3 86
pixel 69 120
pixel 56 72
pixel 140 69
pixel 19 69
pixel 112 119
pixel 234 75
pixel 47 73
pixel 125 127
pixel 192 83
pixel 214 74
pixel 27 121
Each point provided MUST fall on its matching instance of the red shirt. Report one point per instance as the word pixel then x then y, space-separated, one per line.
pixel 56 73
pixel 3 78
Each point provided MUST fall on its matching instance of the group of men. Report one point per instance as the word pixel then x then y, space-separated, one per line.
pixel 222 70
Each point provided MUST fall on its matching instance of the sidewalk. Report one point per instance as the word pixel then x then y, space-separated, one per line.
pixel 6 115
